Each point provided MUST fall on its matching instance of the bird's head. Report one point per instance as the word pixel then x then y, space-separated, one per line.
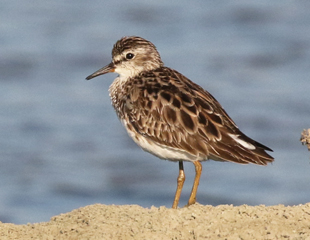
pixel 130 57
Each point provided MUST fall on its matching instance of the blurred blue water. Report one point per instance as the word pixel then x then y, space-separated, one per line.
pixel 61 145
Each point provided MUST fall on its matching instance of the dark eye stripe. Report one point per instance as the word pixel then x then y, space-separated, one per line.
pixel 119 61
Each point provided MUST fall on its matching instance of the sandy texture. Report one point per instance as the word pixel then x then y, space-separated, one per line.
pixel 195 222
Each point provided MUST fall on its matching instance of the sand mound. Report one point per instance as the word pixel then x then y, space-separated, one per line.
pixel 194 222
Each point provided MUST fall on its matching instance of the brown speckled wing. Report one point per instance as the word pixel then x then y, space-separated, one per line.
pixel 172 111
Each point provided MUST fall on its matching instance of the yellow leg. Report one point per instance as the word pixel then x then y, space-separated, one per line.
pixel 198 169
pixel 181 180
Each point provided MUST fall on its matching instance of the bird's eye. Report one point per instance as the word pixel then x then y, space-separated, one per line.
pixel 129 56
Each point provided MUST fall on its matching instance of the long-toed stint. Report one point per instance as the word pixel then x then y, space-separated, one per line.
pixel 171 117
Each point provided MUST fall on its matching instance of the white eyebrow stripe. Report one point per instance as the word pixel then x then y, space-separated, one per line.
pixel 242 142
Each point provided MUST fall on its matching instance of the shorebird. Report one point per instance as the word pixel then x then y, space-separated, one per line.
pixel 172 117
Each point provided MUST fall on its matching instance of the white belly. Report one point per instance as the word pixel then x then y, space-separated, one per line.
pixel 161 151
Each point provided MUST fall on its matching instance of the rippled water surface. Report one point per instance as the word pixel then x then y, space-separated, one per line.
pixel 61 144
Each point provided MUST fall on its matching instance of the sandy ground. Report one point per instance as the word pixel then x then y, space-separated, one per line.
pixel 194 222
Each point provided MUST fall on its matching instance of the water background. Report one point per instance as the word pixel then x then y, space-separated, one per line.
pixel 61 144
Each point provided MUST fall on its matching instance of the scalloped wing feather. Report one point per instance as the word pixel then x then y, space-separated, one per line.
pixel 172 112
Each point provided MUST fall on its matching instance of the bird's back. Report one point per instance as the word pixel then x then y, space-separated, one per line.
pixel 173 118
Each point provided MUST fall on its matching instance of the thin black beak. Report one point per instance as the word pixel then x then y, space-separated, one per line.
pixel 104 70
